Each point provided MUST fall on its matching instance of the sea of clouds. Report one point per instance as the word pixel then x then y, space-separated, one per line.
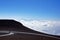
pixel 45 26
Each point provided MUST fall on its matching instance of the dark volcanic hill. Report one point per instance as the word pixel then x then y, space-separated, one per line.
pixel 13 25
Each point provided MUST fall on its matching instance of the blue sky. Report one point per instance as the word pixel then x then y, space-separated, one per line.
pixel 30 9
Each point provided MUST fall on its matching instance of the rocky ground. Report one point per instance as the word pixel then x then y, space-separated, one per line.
pixel 26 37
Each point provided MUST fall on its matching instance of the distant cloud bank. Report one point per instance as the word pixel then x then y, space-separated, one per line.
pixel 46 26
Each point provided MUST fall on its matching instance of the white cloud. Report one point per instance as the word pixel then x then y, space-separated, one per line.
pixel 48 26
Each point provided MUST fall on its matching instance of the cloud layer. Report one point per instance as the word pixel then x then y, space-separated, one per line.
pixel 47 26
